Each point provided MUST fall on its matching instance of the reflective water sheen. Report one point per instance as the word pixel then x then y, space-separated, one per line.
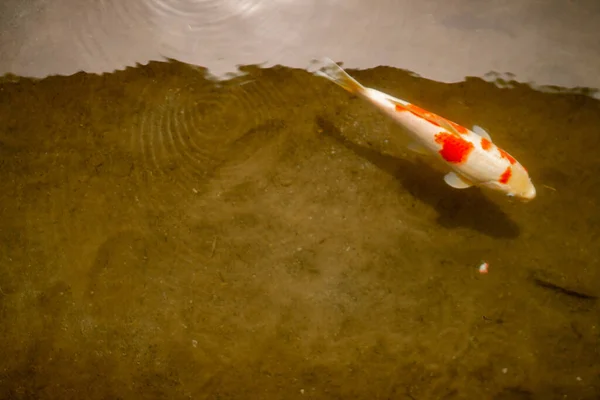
pixel 549 42
pixel 164 235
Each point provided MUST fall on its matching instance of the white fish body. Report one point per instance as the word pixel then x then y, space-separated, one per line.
pixel 470 154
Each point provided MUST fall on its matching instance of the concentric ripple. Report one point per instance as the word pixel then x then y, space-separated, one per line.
pixel 188 27
pixel 193 135
pixel 206 14
pixel 180 137
pixel 112 34
pixel 215 32
pixel 106 35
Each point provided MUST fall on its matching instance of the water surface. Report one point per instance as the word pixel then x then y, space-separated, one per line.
pixel 164 235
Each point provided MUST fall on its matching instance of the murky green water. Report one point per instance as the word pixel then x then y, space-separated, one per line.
pixel 165 236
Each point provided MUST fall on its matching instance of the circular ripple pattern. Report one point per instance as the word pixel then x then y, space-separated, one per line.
pixel 108 34
pixel 212 32
pixel 194 135
pixel 181 137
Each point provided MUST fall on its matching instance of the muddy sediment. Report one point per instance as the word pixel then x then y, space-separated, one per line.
pixel 163 235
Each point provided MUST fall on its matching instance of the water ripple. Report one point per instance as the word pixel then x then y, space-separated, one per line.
pixel 97 26
pixel 195 138
pixel 211 32
pixel 184 133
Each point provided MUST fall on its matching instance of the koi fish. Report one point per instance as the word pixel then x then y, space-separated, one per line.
pixel 473 159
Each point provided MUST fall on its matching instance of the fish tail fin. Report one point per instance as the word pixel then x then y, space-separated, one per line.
pixel 330 70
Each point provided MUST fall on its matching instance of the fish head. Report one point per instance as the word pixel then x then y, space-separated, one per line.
pixel 517 184
pixel 520 185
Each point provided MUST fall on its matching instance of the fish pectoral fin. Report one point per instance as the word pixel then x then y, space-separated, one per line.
pixel 456 181
pixel 418 148
pixel 481 132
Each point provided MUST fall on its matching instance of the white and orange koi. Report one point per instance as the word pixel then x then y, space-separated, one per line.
pixel 472 157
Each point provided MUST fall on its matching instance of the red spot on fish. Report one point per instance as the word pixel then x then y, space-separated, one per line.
pixel 430 117
pixel 486 144
pixel 505 177
pixel 454 149
pixel 510 158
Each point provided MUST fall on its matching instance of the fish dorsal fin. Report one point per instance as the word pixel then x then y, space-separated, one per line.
pixel 456 181
pixel 397 102
pixel 481 132
pixel 447 126
pixel 426 115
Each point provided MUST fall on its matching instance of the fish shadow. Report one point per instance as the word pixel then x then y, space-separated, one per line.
pixel 467 208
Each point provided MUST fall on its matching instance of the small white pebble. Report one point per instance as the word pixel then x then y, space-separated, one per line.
pixel 504 370
pixel 301 391
pixel 195 343
pixel 579 378
pixel 484 268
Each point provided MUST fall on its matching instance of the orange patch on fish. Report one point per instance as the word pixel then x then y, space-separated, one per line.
pixel 510 158
pixel 430 117
pixel 505 177
pixel 454 149
pixel 486 144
